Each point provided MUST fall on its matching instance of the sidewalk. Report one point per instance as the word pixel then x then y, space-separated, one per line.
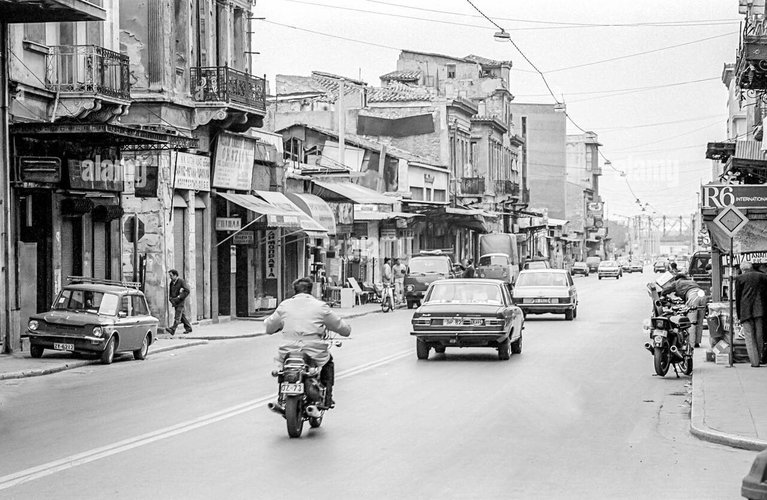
pixel 729 405
pixel 21 365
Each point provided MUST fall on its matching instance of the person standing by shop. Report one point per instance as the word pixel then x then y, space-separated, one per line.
pixel 398 270
pixel 751 305
pixel 469 270
pixel 178 291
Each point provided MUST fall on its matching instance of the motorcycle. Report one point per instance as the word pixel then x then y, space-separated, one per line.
pixel 301 393
pixel 387 299
pixel 669 334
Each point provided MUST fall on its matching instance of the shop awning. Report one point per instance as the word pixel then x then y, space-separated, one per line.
pixel 467 218
pixel 348 192
pixel 316 208
pixel 366 215
pixel 275 217
pixel 308 225
pixel 752 238
pixel 556 222
pixel 102 133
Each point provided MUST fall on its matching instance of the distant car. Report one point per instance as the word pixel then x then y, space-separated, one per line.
pixel 468 313
pixel 543 291
pixel 593 263
pixel 609 269
pixel 537 264
pixel 637 266
pixel 580 268
pixel 423 269
pixel 104 318
pixel 626 266
pixel 660 266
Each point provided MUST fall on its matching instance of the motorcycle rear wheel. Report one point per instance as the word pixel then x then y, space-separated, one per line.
pixel 686 365
pixel 386 304
pixel 294 415
pixel 662 358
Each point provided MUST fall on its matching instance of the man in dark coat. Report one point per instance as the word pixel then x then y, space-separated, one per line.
pixel 469 270
pixel 178 291
pixel 751 304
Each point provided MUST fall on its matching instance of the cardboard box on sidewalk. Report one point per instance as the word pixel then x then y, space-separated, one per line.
pixel 722 353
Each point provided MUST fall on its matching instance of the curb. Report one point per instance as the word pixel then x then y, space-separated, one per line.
pixel 79 364
pixel 701 431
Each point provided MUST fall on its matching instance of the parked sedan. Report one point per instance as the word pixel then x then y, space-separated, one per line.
pixel 546 291
pixel 468 313
pixel 96 318
pixel 609 269
pixel 580 268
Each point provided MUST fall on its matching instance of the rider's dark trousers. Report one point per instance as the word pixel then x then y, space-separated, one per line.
pixel 328 376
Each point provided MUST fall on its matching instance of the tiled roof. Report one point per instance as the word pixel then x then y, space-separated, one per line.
pixel 325 84
pixel 487 62
pixel 293 84
pixel 399 92
pixel 402 76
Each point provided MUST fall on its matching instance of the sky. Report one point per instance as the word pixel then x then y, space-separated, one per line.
pixel 653 112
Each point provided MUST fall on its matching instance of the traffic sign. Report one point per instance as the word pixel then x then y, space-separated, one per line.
pixel 731 220
pixel 129 229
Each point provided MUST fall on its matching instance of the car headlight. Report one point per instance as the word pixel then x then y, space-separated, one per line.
pixel 97 331
pixel 481 275
pixel 409 288
pixel 33 325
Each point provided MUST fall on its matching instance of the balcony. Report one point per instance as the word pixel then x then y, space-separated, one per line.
pixel 472 186
pixel 506 188
pixel 44 11
pixel 90 81
pixel 751 65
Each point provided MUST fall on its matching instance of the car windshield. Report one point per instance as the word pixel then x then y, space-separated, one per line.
pixel 579 265
pixel 493 260
pixel 429 265
pixel 541 279
pixel 536 264
pixel 608 263
pixel 464 293
pixel 87 301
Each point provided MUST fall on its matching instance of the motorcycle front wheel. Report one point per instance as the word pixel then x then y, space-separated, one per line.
pixel 386 304
pixel 662 358
pixel 294 415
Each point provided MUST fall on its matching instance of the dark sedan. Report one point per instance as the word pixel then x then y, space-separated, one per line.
pixel 468 313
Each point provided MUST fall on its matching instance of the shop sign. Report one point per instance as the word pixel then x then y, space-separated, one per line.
pixel 739 196
pixel 272 253
pixel 98 174
pixel 192 172
pixel 244 238
pixel 234 163
pixel 40 169
pixel 360 229
pixel 228 223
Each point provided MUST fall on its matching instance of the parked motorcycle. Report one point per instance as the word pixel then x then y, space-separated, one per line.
pixel 669 334
pixel 387 298
pixel 301 393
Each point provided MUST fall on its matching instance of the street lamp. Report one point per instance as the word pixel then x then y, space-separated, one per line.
pixel 501 36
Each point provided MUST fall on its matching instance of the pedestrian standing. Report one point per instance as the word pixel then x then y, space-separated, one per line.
pixel 178 291
pixel 469 269
pixel 751 305
pixel 387 272
pixel 398 270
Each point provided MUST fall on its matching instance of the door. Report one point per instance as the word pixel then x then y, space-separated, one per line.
pixel 179 240
pixel 125 324
pixel 143 321
pixel 199 227
pixel 100 250
pixel 28 274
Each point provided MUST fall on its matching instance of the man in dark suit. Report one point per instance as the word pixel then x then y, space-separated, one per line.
pixel 751 304
pixel 178 291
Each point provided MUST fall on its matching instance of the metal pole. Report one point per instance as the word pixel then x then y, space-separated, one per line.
pixel 729 298
pixel 341 110
pixel 5 198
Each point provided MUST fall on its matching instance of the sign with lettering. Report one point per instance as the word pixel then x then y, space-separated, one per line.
pixel 192 172
pixel 228 223
pixel 234 163
pixel 244 238
pixel 272 254
pixel 740 196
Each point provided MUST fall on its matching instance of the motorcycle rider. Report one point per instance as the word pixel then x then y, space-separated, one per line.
pixel 304 321
pixel 695 299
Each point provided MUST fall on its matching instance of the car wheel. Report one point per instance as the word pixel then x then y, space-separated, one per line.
pixel 516 346
pixel 421 349
pixel 36 351
pixel 575 312
pixel 569 315
pixel 142 352
pixel 440 349
pixel 109 351
pixel 504 350
pixel 600 277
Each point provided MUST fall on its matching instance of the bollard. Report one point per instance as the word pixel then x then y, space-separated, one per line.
pixel 754 486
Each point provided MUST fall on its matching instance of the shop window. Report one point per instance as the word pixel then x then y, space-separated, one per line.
pixel 440 195
pixel 417 193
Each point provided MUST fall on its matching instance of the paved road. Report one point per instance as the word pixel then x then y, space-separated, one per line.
pixel 578 414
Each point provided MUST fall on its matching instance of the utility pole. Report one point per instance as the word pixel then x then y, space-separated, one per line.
pixel 341 110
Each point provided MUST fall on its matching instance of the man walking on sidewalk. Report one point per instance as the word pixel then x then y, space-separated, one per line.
pixel 178 291
pixel 751 303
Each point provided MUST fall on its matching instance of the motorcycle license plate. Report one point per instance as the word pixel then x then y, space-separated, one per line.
pixel 660 333
pixel 291 389
pixel 64 347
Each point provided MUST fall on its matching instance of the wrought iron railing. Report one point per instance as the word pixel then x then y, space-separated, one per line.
pixel 88 69
pixel 473 185
pixel 224 84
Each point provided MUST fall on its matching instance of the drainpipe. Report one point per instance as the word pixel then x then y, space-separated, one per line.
pixel 5 196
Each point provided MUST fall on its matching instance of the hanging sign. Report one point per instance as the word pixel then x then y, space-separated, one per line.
pixel 228 223
pixel 739 196
pixel 272 254
pixel 244 238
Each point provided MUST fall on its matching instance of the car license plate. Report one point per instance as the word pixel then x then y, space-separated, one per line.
pixel 477 322
pixel 454 322
pixel 291 389
pixel 64 347
pixel 540 301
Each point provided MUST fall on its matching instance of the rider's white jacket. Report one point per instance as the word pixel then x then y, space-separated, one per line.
pixel 303 320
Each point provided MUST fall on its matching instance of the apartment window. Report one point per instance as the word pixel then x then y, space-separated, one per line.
pixel 524 126
pixel 417 193
pixel 451 70
pixel 35 32
pixel 440 195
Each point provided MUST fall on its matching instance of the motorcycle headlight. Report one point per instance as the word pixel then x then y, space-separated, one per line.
pixel 647 324
pixel 97 331
pixel 33 325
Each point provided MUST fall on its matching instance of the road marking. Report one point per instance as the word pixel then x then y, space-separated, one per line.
pixel 89 456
